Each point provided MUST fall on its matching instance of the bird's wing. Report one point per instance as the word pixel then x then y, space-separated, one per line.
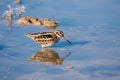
pixel 44 36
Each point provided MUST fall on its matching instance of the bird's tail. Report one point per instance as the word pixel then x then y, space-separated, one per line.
pixel 29 35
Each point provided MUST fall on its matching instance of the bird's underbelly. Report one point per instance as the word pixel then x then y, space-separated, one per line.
pixel 48 42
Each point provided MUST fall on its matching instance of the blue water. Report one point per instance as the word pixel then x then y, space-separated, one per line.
pixel 92 26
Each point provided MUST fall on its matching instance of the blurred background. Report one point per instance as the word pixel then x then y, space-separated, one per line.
pixel 92 26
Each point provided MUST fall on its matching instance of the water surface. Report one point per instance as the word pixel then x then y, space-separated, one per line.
pixel 91 25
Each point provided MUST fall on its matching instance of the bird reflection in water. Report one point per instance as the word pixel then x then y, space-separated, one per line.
pixel 48 56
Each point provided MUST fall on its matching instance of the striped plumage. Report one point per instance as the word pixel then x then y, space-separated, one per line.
pixel 47 38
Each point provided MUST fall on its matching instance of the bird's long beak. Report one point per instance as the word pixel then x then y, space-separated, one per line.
pixel 67 40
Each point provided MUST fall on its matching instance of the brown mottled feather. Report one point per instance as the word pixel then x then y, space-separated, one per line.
pixel 47 38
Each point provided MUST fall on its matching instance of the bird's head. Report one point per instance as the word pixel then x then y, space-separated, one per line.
pixel 60 34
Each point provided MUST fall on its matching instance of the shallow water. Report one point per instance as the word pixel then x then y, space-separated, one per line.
pixel 91 26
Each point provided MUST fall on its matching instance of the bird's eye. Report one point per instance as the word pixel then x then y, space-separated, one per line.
pixel 57 33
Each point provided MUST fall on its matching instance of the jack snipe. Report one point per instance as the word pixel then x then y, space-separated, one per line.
pixel 47 38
